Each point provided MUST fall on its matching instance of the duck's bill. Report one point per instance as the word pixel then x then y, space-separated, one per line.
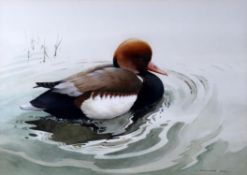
pixel 152 67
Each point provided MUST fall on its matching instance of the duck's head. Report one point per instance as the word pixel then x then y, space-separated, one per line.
pixel 135 55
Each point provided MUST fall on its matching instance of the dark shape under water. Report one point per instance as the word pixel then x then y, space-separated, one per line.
pixel 81 131
pixel 67 131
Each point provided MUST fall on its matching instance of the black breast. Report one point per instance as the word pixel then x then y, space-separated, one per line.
pixel 152 90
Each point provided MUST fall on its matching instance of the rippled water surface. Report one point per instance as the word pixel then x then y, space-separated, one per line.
pixel 178 134
pixel 199 126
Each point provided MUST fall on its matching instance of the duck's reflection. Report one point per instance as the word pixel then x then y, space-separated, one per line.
pixel 79 131
pixel 66 131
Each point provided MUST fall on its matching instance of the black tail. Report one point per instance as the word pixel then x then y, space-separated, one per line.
pixel 49 85
pixel 59 105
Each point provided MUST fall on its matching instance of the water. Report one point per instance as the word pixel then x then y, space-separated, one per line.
pixel 175 135
pixel 199 127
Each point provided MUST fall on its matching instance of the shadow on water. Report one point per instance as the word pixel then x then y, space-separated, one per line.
pixel 76 132
pixel 66 131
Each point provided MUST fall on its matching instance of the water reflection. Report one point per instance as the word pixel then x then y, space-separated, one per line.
pixel 66 131
pixel 78 132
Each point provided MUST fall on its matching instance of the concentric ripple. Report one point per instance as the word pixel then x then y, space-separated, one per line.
pixel 171 134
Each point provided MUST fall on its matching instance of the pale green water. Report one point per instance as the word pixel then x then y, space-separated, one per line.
pixel 183 134
pixel 199 128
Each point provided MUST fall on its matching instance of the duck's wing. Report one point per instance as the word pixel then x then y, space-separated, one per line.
pixel 101 80
pixel 51 85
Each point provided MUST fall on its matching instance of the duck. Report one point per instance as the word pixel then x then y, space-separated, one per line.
pixel 105 91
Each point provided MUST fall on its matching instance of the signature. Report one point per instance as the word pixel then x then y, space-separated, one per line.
pixel 214 171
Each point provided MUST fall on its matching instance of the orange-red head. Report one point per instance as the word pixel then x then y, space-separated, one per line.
pixel 135 55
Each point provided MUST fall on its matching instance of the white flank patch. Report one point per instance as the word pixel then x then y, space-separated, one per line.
pixel 67 88
pixel 107 107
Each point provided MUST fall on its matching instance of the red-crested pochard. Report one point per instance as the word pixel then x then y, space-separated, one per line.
pixel 106 91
